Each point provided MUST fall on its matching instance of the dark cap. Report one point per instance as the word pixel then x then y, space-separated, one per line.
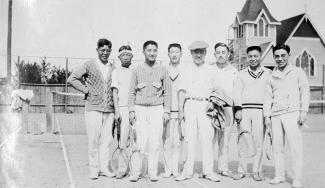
pixel 251 48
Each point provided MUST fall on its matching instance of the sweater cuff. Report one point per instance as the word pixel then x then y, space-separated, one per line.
pixel 131 109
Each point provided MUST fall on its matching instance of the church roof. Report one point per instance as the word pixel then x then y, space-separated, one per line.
pixel 295 26
pixel 251 11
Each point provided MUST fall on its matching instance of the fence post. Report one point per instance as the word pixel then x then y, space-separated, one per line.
pixel 49 111
pixel 66 85
pixel 18 71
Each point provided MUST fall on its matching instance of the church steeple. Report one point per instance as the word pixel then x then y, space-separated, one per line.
pixel 252 10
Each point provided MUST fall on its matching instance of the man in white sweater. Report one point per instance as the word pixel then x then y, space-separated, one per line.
pixel 285 108
pixel 249 95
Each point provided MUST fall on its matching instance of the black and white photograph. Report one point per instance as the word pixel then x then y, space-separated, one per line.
pixel 162 93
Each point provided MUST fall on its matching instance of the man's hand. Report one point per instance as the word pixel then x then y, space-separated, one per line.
pixel 117 116
pixel 165 117
pixel 302 118
pixel 267 122
pixel 132 117
pixel 181 115
pixel 238 116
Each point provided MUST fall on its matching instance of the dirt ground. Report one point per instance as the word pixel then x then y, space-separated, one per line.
pixel 37 161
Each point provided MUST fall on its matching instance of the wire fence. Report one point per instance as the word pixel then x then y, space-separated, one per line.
pixel 41 71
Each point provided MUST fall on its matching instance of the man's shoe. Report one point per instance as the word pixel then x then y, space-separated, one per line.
pixel 225 173
pixel 182 178
pixel 133 178
pixel 153 178
pixel 167 174
pixel 239 176
pixel 107 174
pixel 277 180
pixel 212 177
pixel 296 184
pixel 258 176
pixel 93 175
pixel 120 175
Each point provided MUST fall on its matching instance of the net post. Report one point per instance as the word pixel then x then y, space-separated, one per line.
pixel 49 111
pixel 66 85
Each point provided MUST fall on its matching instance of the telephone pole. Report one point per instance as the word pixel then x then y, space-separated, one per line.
pixel 9 40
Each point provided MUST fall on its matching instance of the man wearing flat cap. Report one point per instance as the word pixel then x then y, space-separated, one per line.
pixel 193 92
pixel 249 96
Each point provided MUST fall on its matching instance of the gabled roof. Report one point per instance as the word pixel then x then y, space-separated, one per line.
pixel 289 27
pixel 252 10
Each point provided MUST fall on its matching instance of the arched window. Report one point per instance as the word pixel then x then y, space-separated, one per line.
pixel 266 30
pixel 255 30
pixel 306 62
pixel 260 27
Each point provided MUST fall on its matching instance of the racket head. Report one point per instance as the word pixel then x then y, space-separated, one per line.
pixel 138 164
pixel 246 145
pixel 119 162
pixel 268 145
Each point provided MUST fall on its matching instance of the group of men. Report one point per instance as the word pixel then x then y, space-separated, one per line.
pixel 174 98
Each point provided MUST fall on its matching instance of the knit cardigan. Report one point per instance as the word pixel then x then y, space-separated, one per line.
pixel 89 80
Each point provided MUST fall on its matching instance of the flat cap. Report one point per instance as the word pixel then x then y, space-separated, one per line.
pixel 198 45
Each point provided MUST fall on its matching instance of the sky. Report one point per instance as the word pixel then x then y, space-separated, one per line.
pixel 71 28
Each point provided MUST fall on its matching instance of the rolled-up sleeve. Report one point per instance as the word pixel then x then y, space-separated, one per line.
pixel 304 91
pixel 75 79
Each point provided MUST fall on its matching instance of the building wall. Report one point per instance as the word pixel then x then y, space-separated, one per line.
pixel 316 49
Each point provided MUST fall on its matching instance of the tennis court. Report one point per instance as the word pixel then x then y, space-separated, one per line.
pixel 60 160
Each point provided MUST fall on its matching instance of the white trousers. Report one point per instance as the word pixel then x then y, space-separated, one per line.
pixel 125 126
pixel 223 139
pixel 148 127
pixel 286 125
pixel 99 131
pixel 172 147
pixel 252 121
pixel 198 124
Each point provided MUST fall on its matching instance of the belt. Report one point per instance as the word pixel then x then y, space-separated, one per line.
pixel 197 98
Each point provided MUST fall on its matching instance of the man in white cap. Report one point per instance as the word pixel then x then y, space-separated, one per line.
pixel 121 77
pixel 196 83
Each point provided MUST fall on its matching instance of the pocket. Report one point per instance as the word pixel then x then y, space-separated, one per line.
pixel 157 85
pixel 95 99
pixel 141 85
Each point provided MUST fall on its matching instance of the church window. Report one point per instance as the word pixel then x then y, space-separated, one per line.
pixel 306 62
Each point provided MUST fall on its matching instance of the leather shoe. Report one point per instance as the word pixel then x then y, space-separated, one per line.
pixel 296 184
pixel 133 178
pixel 239 176
pixel 153 178
pixel 258 176
pixel 107 174
pixel 277 180
pixel 93 175
pixel 225 173
pixel 183 177
pixel 212 177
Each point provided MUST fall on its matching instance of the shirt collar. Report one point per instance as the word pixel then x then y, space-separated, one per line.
pixel 282 74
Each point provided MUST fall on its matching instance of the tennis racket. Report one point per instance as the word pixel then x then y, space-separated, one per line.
pixel 268 144
pixel 138 162
pixel 245 143
pixel 119 161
